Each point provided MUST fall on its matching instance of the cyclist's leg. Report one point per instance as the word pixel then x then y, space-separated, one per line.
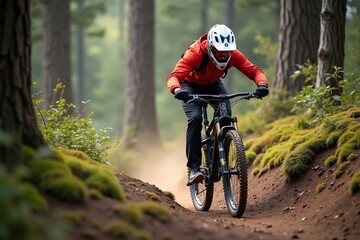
pixel 193 114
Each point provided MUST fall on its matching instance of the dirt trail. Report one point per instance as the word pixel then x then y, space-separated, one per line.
pixel 275 210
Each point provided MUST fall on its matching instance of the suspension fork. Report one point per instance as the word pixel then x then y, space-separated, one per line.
pixel 222 156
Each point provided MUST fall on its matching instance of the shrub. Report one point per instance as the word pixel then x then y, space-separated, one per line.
pixel 63 127
pixel 323 103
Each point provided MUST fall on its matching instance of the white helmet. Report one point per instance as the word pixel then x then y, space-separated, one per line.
pixel 221 43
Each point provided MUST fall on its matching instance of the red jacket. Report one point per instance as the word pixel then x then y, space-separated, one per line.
pixel 192 60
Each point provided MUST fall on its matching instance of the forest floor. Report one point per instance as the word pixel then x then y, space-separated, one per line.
pixel 275 209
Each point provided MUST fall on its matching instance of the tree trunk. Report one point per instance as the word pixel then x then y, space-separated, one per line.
pixel 56 49
pixel 332 41
pixel 80 60
pixel 140 124
pixel 229 21
pixel 17 115
pixel 298 40
pixel 203 17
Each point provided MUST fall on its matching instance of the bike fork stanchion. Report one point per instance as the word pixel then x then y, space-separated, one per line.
pixel 222 158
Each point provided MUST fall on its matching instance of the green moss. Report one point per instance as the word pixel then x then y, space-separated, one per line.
pixel 297 162
pixel 277 132
pixel 330 161
pixel 332 138
pixel 248 144
pixel 153 196
pixel 123 230
pixel 302 123
pixel 352 157
pixel 255 171
pixel 95 194
pixel 41 168
pixel 77 154
pixel 28 153
pixel 263 170
pixel 320 187
pixel 345 137
pixel 130 212
pixel 75 217
pixel 258 159
pixel 36 201
pixel 15 208
pixel 345 151
pixel 156 210
pixel 107 184
pixel 169 195
pixel 67 188
pixel 132 184
pixel 354 184
pixel 340 170
pixel 275 155
pixel 81 168
pixel 250 156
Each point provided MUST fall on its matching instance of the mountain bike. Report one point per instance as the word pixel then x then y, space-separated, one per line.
pixel 223 155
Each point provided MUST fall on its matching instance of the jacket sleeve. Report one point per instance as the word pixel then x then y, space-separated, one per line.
pixel 183 68
pixel 250 70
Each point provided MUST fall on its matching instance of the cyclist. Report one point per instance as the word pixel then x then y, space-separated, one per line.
pixel 214 52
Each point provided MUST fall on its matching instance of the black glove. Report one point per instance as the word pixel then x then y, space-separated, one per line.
pixel 182 95
pixel 262 90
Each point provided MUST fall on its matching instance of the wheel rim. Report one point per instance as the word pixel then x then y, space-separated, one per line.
pixel 200 193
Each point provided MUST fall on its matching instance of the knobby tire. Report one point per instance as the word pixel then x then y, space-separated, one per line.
pixel 235 185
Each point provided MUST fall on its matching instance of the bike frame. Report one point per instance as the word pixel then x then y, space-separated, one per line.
pixel 216 130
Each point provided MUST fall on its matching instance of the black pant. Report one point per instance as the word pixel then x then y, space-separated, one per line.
pixel 193 112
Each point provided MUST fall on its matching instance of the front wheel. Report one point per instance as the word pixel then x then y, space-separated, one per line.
pixel 235 181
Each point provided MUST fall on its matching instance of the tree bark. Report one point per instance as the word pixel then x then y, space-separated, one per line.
pixel 203 17
pixel 17 115
pixel 229 21
pixel 56 63
pixel 332 41
pixel 80 40
pixel 298 40
pixel 140 124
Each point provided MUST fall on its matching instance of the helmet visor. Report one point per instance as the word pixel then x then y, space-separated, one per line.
pixel 221 56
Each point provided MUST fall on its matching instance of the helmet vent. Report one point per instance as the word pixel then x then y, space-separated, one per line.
pixel 223 38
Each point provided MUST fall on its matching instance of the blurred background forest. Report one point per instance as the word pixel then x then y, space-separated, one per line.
pixel 99 47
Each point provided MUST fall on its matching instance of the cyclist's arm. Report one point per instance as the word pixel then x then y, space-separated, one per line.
pixel 191 60
pixel 250 70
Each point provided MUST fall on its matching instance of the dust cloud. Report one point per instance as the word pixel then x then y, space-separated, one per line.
pixel 166 169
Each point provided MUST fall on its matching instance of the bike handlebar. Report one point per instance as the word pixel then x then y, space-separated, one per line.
pixel 203 97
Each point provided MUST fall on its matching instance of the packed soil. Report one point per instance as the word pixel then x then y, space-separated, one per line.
pixel 275 209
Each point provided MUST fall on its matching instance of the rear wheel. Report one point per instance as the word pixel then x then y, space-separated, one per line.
pixel 202 193
pixel 235 182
